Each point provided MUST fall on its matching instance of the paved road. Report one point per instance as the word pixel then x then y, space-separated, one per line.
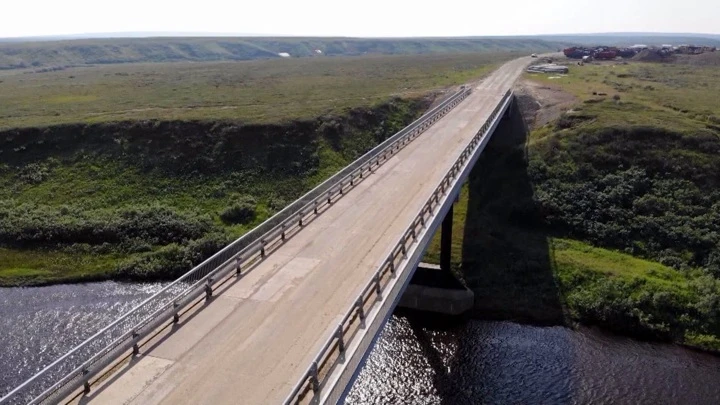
pixel 253 342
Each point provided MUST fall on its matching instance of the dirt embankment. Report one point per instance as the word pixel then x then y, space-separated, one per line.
pixel 187 147
pixel 541 104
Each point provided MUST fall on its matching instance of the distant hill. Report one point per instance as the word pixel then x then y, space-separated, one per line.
pixel 15 55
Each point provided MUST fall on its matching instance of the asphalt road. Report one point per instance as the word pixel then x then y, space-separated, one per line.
pixel 253 341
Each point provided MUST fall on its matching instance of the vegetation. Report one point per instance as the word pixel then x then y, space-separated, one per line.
pixel 91 198
pixel 606 216
pixel 263 92
pixel 51 55
pixel 147 201
pixel 639 174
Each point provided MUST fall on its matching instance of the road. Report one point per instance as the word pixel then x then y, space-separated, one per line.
pixel 254 340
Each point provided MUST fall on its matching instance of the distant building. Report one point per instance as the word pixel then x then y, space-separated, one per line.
pixel 284 55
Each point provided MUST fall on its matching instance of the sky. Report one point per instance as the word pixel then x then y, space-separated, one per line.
pixel 362 18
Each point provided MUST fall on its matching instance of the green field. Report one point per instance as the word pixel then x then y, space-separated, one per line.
pixel 268 91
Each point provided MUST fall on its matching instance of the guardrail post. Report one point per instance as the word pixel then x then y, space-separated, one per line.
pixel 378 287
pixel 391 264
pixel 314 382
pixel 176 316
pixel 86 383
pixel 282 234
pixel 136 348
pixel 262 248
pixel 300 217
pixel 238 268
pixel 208 290
pixel 361 310
pixel 341 340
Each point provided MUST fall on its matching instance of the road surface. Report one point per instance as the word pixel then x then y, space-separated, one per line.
pixel 255 340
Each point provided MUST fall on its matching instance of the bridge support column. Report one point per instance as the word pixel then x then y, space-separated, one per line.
pixel 508 112
pixel 446 241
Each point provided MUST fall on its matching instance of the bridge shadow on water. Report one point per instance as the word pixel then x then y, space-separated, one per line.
pixel 506 261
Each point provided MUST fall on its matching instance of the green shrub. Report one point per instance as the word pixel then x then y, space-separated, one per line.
pixel 242 211
pixel 173 260
pixel 29 225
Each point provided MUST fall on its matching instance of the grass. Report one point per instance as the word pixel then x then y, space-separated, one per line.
pixel 33 267
pixel 264 91
pixel 672 96
pixel 571 257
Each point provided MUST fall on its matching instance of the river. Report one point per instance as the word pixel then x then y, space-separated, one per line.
pixel 473 362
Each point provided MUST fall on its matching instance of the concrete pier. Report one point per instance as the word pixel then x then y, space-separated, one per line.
pixel 438 291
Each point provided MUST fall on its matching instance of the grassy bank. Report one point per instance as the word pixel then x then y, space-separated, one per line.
pixel 146 201
pixel 607 215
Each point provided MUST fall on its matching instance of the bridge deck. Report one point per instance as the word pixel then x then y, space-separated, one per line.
pixel 253 341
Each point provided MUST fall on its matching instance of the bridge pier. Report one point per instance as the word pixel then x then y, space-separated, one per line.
pixel 446 241
pixel 508 112
pixel 434 288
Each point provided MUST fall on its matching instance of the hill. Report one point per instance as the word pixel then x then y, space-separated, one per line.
pixel 15 55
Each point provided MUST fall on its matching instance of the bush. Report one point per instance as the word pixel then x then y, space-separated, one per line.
pixel 172 261
pixel 29 225
pixel 242 211
pixel 34 173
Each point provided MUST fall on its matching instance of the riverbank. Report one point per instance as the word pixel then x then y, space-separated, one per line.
pixel 572 216
pixel 148 200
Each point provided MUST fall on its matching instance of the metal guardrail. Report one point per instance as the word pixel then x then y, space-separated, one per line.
pixel 80 365
pixel 332 352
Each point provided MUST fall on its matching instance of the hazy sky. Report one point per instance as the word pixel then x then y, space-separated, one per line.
pixel 359 17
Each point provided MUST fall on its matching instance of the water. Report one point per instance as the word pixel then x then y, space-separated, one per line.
pixel 506 363
pixel 471 363
pixel 40 324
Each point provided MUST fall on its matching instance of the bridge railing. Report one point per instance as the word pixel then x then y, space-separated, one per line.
pixel 80 365
pixel 332 353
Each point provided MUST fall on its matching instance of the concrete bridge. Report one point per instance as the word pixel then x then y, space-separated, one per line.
pixel 288 313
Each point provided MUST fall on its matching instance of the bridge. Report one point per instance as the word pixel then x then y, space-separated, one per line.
pixel 288 313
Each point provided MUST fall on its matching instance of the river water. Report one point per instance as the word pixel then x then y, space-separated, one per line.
pixel 472 362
